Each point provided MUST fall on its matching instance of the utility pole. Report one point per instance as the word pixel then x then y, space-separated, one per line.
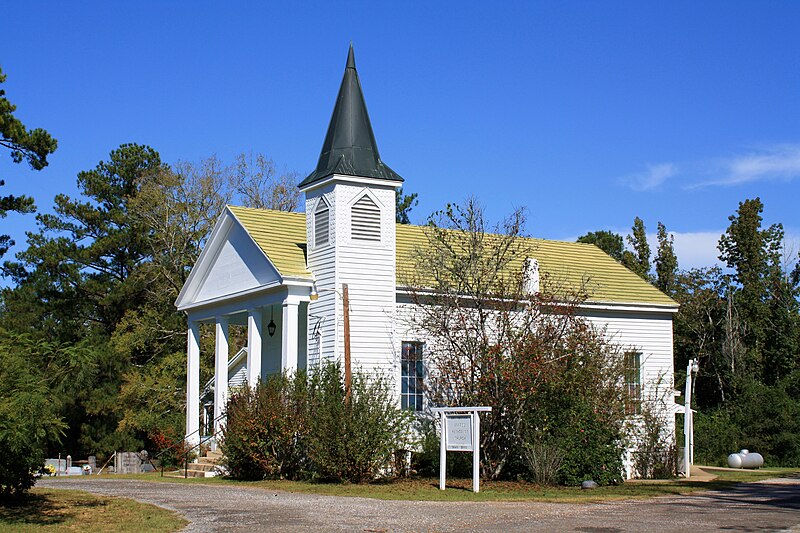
pixel 347 371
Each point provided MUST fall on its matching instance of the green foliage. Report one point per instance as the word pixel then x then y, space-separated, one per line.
pixel 28 421
pixel 36 379
pixel 638 260
pixel 267 429
pixel 404 203
pixel 716 435
pixel 655 455
pixel 32 146
pixel 102 272
pixel 577 414
pixel 152 400
pixel 762 418
pixel 745 329
pixel 591 446
pixel 666 261
pixel 609 242
pixel 351 439
pixel 297 427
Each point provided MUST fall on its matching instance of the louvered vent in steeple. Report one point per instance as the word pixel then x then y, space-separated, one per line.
pixel 366 220
pixel 321 224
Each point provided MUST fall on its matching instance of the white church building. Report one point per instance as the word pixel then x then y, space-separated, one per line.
pixel 281 275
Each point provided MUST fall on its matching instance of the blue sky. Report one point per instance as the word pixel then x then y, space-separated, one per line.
pixel 586 113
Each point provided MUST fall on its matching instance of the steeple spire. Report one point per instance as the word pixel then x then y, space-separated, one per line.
pixel 350 148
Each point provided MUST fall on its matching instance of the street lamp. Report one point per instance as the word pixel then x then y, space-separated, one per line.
pixel 688 418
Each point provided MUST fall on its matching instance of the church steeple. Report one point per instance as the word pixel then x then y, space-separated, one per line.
pixel 350 148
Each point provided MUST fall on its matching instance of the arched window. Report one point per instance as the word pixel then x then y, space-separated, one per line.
pixel 321 223
pixel 365 220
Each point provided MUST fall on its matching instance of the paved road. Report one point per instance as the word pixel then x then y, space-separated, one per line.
pixel 772 505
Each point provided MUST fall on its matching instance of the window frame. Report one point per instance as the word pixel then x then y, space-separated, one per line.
pixel 415 373
pixel 632 382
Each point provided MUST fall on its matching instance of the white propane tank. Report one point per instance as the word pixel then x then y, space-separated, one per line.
pixel 745 459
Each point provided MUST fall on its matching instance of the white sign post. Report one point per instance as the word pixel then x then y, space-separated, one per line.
pixel 461 432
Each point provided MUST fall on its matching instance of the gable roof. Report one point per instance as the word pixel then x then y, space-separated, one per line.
pixel 282 237
pixel 350 148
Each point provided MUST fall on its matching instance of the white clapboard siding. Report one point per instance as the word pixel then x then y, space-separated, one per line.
pixel 366 262
pixel 322 262
pixel 649 333
pixel 361 254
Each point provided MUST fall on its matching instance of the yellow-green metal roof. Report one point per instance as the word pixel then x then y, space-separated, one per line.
pixel 280 235
pixel 571 265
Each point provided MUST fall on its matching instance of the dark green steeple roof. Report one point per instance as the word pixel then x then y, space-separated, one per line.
pixel 349 146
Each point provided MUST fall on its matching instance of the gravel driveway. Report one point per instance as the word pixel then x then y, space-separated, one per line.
pixel 772 505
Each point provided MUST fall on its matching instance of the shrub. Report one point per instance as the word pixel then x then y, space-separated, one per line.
pixel 761 418
pixel 266 431
pixel 294 427
pixel 544 461
pixel 572 440
pixel 655 455
pixel 353 439
pixel 27 422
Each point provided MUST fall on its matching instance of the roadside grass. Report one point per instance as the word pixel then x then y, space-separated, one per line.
pixel 44 510
pixel 427 489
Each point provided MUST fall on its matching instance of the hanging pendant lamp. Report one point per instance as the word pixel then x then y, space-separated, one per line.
pixel 271 327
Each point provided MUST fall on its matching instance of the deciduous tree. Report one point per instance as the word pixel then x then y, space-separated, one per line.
pixel 492 341
pixel 666 260
pixel 638 259
pixel 611 243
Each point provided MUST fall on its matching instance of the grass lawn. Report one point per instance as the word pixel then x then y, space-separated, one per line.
pixel 71 510
pixel 461 489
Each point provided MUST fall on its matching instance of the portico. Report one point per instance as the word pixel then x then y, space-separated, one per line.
pixel 234 283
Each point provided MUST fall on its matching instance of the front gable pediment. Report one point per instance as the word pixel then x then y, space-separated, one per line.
pixel 231 263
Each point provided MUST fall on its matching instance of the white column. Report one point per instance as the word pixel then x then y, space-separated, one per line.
pixel 254 326
pixel 193 384
pixel 291 310
pixel 220 372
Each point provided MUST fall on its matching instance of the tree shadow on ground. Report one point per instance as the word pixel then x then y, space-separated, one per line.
pixel 41 510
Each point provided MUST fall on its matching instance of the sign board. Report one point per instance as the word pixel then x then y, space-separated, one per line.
pixel 459 433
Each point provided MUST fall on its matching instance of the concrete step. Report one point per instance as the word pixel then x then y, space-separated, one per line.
pixel 202 467
pixel 192 472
